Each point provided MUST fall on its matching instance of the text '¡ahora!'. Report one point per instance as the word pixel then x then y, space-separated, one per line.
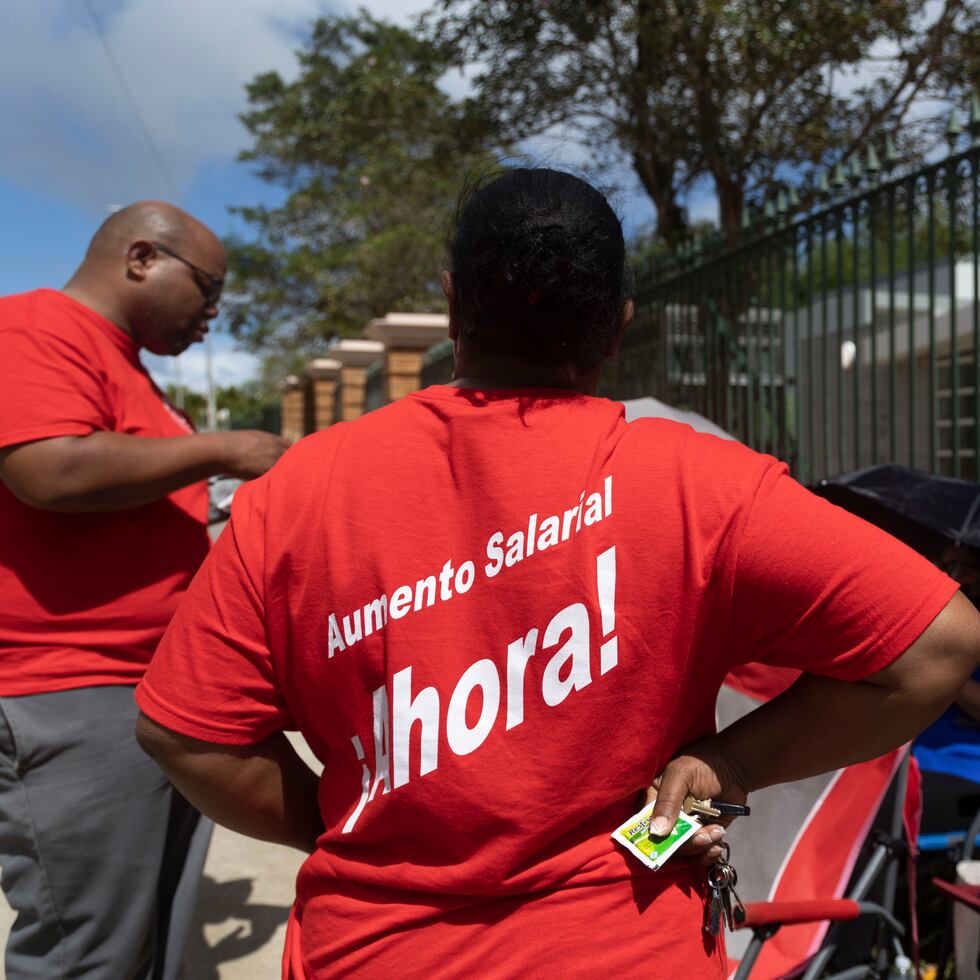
pixel 502 551
pixel 397 710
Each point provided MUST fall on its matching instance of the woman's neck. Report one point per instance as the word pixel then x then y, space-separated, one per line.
pixel 522 374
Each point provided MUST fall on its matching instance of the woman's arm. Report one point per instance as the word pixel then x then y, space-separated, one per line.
pixel 820 724
pixel 968 700
pixel 263 790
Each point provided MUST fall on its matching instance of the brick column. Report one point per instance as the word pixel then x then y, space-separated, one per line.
pixel 324 375
pixel 406 337
pixel 292 425
pixel 355 357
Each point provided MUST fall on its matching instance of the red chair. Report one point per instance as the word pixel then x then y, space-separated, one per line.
pixel 799 851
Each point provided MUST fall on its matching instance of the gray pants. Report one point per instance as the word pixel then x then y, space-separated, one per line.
pixel 101 857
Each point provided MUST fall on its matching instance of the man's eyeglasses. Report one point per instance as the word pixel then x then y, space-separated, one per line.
pixel 209 285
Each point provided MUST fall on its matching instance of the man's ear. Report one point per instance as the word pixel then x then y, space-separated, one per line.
pixel 447 291
pixel 139 257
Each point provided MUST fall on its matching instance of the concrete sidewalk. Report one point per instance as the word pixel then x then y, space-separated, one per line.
pixel 244 901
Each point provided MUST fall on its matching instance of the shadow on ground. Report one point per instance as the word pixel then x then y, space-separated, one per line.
pixel 227 902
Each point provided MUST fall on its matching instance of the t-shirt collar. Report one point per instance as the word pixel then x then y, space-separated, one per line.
pixel 124 341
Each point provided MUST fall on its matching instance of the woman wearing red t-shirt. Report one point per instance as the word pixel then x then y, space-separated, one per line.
pixel 497 612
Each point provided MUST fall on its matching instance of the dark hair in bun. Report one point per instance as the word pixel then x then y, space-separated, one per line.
pixel 538 264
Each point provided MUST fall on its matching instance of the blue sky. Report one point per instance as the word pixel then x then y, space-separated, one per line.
pixel 73 148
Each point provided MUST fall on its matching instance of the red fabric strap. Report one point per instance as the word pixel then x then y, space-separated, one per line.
pixel 969 895
pixel 786 913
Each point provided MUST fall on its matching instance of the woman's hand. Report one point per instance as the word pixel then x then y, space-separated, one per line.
pixel 701 771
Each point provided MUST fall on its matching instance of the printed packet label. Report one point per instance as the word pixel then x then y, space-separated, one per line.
pixel 634 835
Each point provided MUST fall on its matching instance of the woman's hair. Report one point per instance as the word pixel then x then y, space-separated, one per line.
pixel 538 264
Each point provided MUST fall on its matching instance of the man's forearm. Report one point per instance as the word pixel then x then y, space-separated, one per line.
pixel 108 471
pixel 264 791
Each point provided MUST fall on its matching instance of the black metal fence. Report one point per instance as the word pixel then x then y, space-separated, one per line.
pixel 437 364
pixel 835 339
pixel 375 387
pixel 266 417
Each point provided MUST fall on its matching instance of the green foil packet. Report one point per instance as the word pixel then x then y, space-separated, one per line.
pixel 654 852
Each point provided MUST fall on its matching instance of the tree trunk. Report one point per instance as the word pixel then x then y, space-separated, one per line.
pixel 657 178
pixel 731 201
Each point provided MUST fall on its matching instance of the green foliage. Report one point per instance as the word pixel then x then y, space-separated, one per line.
pixel 649 250
pixel 372 154
pixel 192 402
pixel 735 91
pixel 252 405
pixel 872 253
pixel 249 406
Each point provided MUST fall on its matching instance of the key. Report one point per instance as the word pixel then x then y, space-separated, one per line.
pixel 719 904
pixel 714 808
pixel 714 911
pixel 726 898
pixel 699 808
pixel 736 909
pixel 722 878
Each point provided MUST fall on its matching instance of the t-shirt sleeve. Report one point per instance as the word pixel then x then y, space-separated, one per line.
pixel 49 386
pixel 817 589
pixel 213 677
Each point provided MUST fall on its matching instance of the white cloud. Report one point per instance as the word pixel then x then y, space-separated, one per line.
pixel 231 367
pixel 702 205
pixel 70 130
pixel 402 12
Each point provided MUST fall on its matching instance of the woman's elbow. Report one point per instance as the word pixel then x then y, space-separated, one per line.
pixel 157 742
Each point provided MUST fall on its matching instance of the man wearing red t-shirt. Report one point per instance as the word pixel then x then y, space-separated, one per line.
pixel 103 510
pixel 498 613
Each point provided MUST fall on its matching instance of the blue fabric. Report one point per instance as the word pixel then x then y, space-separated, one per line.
pixel 951 744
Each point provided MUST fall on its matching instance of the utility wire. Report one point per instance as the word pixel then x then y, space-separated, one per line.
pixel 131 100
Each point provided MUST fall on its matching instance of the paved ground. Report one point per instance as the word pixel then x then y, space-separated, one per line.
pixel 246 893
pixel 244 901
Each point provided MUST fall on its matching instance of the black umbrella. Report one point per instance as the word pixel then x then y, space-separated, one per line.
pixel 925 511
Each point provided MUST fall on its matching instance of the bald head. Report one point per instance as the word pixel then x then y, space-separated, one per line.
pixel 148 221
pixel 156 271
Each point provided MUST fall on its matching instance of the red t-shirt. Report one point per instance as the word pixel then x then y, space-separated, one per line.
pixel 495 616
pixel 85 597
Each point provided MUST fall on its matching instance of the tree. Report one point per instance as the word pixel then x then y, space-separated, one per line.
pixel 372 154
pixel 250 405
pixel 194 403
pixel 736 91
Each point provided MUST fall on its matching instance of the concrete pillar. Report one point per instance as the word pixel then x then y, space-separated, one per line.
pixel 292 424
pixel 355 357
pixel 324 375
pixel 406 338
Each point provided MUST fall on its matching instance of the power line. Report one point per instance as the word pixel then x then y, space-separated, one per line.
pixel 131 100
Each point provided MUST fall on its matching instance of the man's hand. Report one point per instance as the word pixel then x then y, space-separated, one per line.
pixel 701 771
pixel 250 452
